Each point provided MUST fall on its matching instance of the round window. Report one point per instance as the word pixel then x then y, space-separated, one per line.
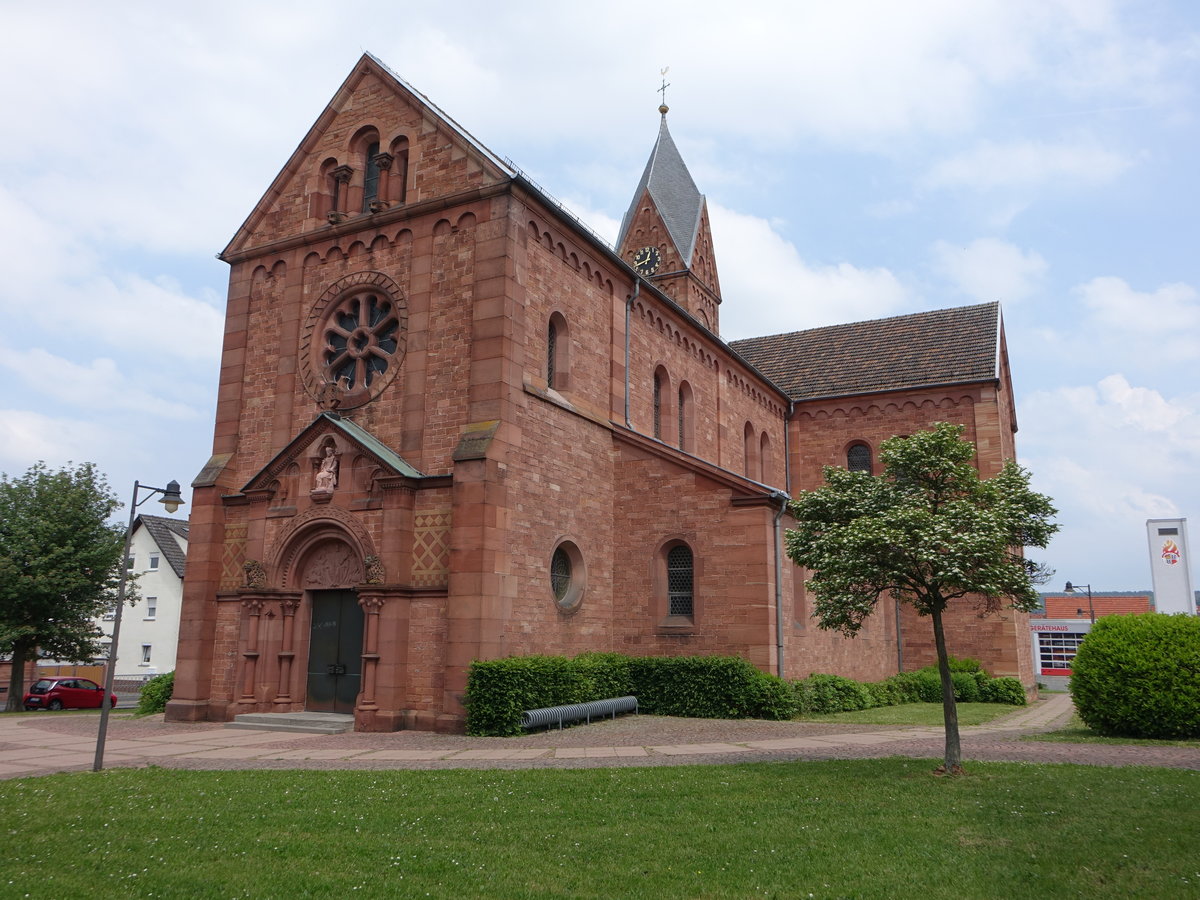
pixel 354 340
pixel 567 576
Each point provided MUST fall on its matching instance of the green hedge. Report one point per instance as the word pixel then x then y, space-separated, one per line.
pixel 155 693
pixel 820 694
pixel 701 687
pixel 708 687
pixel 1139 676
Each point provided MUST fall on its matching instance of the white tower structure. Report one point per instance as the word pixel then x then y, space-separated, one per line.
pixel 1171 566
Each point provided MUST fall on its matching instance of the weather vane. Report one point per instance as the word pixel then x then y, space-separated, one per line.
pixel 663 90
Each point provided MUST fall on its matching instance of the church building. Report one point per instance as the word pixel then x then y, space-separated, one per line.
pixel 455 424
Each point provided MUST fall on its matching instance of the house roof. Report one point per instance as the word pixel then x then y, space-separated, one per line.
pixel 673 191
pixel 164 532
pixel 942 347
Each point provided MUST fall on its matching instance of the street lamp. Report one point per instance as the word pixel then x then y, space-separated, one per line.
pixel 1074 588
pixel 172 501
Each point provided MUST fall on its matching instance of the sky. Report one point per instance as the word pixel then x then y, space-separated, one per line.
pixel 860 159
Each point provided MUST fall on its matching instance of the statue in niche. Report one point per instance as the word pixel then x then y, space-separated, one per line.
pixel 327 473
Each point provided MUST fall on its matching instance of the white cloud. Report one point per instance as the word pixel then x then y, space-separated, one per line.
pixel 1026 164
pixel 98 386
pixel 1111 455
pixel 1170 315
pixel 26 436
pixel 768 288
pixel 988 269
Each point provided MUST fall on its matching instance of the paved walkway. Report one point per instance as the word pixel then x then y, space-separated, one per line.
pixel 47 742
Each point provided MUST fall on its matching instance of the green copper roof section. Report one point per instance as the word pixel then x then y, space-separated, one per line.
pixel 369 442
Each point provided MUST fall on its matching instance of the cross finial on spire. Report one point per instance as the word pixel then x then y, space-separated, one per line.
pixel 663 90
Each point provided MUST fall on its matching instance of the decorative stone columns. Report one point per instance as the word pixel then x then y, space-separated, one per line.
pixel 287 650
pixel 371 599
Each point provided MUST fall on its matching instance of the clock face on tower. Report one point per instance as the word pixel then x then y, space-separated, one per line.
pixel 646 261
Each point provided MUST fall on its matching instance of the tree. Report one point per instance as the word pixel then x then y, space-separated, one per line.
pixel 927 531
pixel 59 565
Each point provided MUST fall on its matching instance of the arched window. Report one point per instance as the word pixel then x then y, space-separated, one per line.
pixel 764 459
pixel 858 458
pixel 680 581
pixel 558 353
pixel 370 176
pixel 661 401
pixel 687 419
pixel 751 444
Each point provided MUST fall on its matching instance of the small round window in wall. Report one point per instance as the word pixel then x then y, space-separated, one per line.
pixel 567 576
pixel 354 340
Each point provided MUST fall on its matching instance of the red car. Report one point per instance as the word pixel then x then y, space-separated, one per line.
pixel 66 693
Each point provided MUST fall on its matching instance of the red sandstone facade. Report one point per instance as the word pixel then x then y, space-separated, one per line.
pixel 454 425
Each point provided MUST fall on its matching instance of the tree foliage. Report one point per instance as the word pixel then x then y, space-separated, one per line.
pixel 59 565
pixel 927 531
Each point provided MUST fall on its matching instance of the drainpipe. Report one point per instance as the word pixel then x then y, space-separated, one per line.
pixel 787 449
pixel 782 497
pixel 637 289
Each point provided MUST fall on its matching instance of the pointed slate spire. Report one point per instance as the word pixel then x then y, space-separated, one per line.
pixel 674 193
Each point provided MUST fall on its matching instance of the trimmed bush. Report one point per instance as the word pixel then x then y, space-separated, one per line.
pixel 499 690
pixel 818 694
pixel 707 687
pixel 155 693
pixel 775 698
pixel 966 688
pixel 1139 676
pixel 698 687
pixel 963 664
pixel 1005 689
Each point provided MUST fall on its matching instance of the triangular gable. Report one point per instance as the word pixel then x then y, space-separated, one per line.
pixel 368 75
pixel 162 531
pixel 325 424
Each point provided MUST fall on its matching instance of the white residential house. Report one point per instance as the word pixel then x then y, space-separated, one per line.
pixel 150 628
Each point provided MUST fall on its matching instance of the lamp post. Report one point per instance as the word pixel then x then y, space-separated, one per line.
pixel 1075 588
pixel 172 501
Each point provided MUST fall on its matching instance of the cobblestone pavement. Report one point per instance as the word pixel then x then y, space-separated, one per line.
pixel 42 743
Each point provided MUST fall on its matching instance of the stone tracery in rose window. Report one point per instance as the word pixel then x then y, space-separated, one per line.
pixel 353 342
pixel 360 341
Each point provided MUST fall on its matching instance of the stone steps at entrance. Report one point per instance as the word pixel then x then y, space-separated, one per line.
pixel 302 722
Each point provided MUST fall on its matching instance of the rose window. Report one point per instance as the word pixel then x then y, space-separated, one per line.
pixel 352 346
pixel 360 341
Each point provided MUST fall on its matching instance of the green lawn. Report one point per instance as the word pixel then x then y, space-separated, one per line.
pixel 865 828
pixel 918 714
pixel 1078 733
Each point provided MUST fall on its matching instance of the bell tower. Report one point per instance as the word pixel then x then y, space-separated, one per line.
pixel 665 233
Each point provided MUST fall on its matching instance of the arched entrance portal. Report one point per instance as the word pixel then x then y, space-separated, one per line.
pixel 335 647
pixel 334 652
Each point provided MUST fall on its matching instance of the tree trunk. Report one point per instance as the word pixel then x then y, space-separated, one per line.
pixel 952 763
pixel 16 679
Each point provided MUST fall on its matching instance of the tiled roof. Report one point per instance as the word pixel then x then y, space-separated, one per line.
pixel 673 191
pixel 945 346
pixel 164 530
pixel 1074 606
